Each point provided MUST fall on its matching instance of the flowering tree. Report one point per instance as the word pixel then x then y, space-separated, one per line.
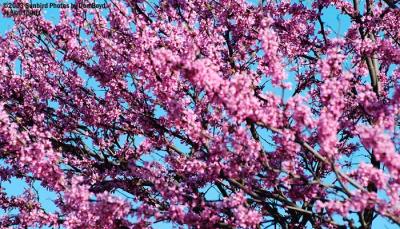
pixel 181 111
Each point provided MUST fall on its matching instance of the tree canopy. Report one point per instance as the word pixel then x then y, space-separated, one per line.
pixel 201 114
